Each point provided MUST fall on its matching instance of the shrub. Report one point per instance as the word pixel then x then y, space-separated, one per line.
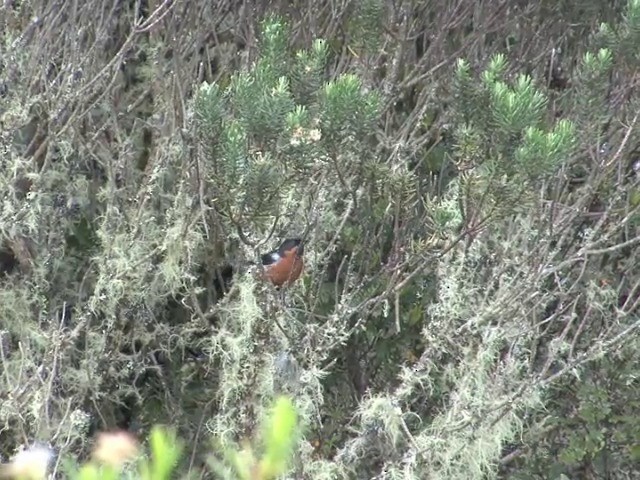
pixel 469 307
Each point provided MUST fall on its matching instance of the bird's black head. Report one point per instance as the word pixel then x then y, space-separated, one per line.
pixel 290 243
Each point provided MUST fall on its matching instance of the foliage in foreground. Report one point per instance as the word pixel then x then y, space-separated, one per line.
pixel 116 450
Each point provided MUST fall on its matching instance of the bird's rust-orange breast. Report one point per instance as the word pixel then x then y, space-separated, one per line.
pixel 286 270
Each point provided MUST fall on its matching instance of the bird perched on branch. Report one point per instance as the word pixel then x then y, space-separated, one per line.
pixel 284 265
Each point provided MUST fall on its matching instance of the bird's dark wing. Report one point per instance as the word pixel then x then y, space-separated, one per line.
pixel 269 258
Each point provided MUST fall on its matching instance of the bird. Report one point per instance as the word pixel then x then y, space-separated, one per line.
pixel 284 265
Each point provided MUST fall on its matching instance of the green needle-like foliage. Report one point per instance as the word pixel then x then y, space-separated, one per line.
pixel 272 125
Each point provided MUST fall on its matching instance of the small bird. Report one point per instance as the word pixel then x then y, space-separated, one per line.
pixel 284 265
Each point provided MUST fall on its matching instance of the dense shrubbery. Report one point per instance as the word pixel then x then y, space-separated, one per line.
pixel 467 182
